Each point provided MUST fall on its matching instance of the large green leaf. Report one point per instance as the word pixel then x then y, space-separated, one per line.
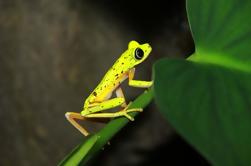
pixel 210 106
pixel 222 31
pixel 207 98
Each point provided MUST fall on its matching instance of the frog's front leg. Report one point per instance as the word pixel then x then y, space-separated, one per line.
pixel 138 83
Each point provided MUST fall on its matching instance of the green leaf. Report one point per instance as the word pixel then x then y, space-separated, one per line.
pixel 221 31
pixel 207 98
pixel 94 143
pixel 208 105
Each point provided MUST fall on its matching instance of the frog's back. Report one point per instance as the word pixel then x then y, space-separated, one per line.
pixel 112 79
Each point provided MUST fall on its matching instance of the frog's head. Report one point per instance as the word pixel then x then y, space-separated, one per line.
pixel 138 52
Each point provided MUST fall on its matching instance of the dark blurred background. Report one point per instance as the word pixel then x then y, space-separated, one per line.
pixel 54 53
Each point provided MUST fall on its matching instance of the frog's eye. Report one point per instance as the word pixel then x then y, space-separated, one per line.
pixel 139 53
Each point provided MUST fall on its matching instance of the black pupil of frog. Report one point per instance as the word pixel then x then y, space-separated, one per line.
pixel 139 53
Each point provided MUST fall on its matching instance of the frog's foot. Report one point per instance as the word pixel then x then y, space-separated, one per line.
pixel 125 112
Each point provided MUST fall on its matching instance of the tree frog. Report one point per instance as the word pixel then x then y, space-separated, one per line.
pixel 100 99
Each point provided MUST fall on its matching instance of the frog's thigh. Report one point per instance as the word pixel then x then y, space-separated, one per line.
pixel 105 105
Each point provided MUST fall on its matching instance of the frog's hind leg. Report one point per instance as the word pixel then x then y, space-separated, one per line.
pixel 91 112
pixel 105 105
pixel 123 112
pixel 71 116
pixel 94 107
pixel 119 101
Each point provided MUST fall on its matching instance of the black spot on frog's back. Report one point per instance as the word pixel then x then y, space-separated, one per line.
pixel 94 93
